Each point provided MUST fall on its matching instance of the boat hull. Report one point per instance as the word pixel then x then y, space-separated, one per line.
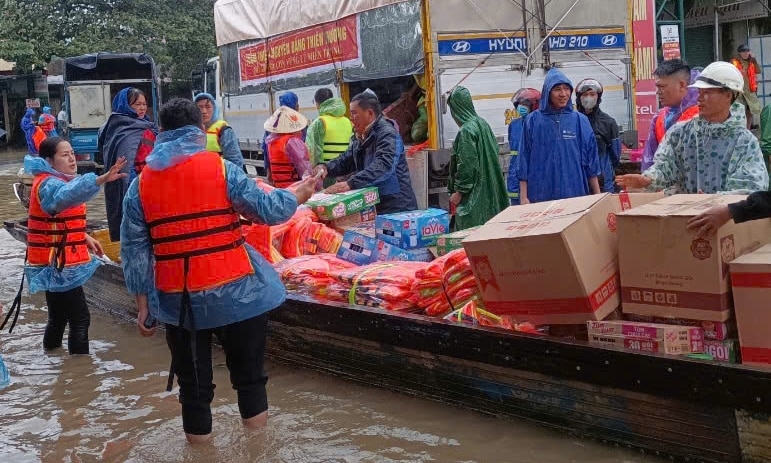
pixel 663 405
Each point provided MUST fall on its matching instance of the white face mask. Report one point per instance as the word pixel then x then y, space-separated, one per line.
pixel 588 102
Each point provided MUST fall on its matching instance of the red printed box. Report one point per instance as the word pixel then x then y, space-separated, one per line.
pixel 639 330
pixel 717 331
pixel 673 343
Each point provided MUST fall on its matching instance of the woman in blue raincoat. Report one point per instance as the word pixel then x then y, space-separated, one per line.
pixel 58 190
pixel 476 181
pixel 127 133
pixel 233 310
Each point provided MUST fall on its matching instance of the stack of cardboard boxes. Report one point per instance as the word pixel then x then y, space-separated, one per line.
pixel 405 236
pixel 575 261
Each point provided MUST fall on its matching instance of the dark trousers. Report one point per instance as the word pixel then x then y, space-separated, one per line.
pixel 244 346
pixel 68 307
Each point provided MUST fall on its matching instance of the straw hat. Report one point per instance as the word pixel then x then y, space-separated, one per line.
pixel 285 120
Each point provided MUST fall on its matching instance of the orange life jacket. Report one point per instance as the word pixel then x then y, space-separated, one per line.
pixel 751 73
pixel 49 123
pixel 195 233
pixel 282 171
pixel 38 136
pixel 686 115
pixel 55 240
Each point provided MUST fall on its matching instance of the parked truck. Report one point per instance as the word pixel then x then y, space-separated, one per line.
pixel 408 49
pixel 90 84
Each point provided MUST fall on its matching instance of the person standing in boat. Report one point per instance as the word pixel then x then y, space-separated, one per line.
pixel 58 259
pixel 29 128
pixel 220 137
pixel 189 268
pixel 127 133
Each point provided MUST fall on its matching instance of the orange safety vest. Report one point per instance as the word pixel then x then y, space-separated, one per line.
pixel 687 115
pixel 282 170
pixel 49 124
pixel 55 239
pixel 751 73
pixel 38 137
pixel 195 233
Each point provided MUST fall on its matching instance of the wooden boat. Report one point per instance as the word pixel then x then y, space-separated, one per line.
pixel 670 406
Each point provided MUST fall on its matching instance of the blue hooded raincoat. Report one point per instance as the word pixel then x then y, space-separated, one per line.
pixel 233 302
pixel 28 126
pixel 228 140
pixel 558 151
pixel 120 137
pixel 56 195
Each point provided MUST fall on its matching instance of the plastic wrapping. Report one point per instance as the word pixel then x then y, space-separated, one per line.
pixel 473 314
pixel 305 273
pixel 445 284
pixel 383 285
pixel 299 236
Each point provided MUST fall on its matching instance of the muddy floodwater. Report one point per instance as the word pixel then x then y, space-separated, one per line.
pixel 112 404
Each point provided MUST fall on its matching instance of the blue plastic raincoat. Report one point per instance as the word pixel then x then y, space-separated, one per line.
pixel 512 179
pixel 45 117
pixel 558 152
pixel 228 140
pixel 120 137
pixel 28 126
pixel 56 195
pixel 242 299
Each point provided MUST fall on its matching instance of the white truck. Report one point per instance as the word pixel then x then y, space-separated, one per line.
pixel 493 48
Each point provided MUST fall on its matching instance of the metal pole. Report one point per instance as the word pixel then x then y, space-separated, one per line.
pixel 717 35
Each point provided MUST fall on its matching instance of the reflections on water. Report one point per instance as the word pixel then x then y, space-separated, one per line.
pixel 111 405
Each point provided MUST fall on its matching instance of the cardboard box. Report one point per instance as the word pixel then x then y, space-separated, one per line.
pixel 717 331
pixel 344 223
pixel 550 263
pixel 628 201
pixel 648 331
pixel 330 207
pixel 673 346
pixel 359 245
pixel 665 272
pixel 452 241
pixel 415 229
pixel 389 252
pixel 722 351
pixel 751 281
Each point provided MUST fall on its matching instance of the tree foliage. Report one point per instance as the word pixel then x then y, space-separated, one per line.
pixel 178 34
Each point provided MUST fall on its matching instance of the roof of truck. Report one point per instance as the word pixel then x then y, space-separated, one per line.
pixel 238 20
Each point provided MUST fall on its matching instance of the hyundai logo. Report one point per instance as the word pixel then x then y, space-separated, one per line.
pixel 609 40
pixel 461 47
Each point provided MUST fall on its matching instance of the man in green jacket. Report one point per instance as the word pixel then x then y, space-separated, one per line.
pixel 330 133
pixel 476 181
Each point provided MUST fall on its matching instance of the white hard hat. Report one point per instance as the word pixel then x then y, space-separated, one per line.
pixel 720 75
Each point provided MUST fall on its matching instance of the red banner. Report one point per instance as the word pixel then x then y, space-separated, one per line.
pixel 644 47
pixel 312 49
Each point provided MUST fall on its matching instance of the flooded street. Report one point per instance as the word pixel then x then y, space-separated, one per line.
pixel 111 405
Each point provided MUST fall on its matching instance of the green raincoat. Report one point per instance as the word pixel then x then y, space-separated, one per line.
pixel 474 168
pixel 315 136
pixel 765 134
